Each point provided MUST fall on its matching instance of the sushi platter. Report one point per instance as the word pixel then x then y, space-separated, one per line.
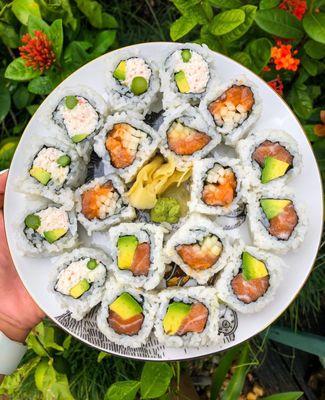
pixel 163 203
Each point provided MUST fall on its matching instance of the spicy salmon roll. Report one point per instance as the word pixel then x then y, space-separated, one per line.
pixel 126 315
pixel 47 230
pixel 136 249
pixel 186 136
pixel 269 157
pixel 79 280
pixel 250 280
pixel 102 203
pixel 125 144
pixel 232 108
pixel 199 248
pixel 216 186
pixel 133 82
pixel 187 317
pixel 277 220
pixel 187 74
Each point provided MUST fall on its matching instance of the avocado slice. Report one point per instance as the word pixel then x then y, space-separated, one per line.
pixel 181 82
pixel 56 234
pixel 186 55
pixel 252 267
pixel 273 169
pixel 126 246
pixel 273 207
pixel 126 306
pixel 120 71
pixel 79 289
pixel 176 312
pixel 40 175
pixel 79 138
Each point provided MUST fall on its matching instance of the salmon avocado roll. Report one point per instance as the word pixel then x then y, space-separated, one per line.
pixel 126 315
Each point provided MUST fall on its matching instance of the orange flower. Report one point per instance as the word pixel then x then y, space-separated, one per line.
pixel 277 85
pixel 37 51
pixel 282 56
pixel 295 7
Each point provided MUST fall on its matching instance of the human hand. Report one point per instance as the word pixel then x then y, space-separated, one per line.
pixel 18 311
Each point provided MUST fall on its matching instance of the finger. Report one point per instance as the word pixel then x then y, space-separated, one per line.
pixel 3 180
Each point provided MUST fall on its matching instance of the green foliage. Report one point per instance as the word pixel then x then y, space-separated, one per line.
pixel 285 396
pixel 279 23
pixel 155 379
pixel 125 390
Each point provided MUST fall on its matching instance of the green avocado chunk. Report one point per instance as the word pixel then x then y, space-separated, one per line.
pixel 176 312
pixel 120 71
pixel 273 169
pixel 252 267
pixel 186 55
pixel 181 82
pixel 92 264
pixel 126 306
pixel 139 85
pixel 126 246
pixel 56 234
pixel 33 221
pixel 80 288
pixel 166 209
pixel 71 102
pixel 64 161
pixel 79 138
pixel 40 175
pixel 273 207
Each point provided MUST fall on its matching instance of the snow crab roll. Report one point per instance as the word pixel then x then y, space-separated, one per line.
pixel 102 203
pixel 125 144
pixel 126 315
pixel 133 82
pixel 232 108
pixel 47 230
pixel 186 136
pixel 216 186
pixel 277 221
pixel 199 248
pixel 250 280
pixel 55 169
pixel 187 317
pixel 186 75
pixel 136 249
pixel 79 280
pixel 269 157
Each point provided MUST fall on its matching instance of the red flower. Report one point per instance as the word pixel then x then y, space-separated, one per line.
pixel 37 51
pixel 295 7
pixel 277 85
pixel 282 57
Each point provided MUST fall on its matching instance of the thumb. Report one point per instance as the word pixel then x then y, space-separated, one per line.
pixel 3 180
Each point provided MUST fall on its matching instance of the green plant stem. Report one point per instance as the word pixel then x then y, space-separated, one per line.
pixel 4 8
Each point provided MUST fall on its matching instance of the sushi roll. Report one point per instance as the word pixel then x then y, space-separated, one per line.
pixel 186 75
pixel 187 317
pixel 101 203
pixel 232 108
pixel 136 249
pixel 269 157
pixel 132 82
pixel 78 113
pixel 216 186
pixel 250 280
pixel 199 248
pixel 186 136
pixel 54 170
pixel 125 144
pixel 277 221
pixel 47 230
pixel 79 280
pixel 126 315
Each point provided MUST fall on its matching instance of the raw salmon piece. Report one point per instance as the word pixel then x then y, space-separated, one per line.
pixel 271 149
pixel 195 321
pixel 249 291
pixel 195 257
pixel 122 326
pixel 90 199
pixel 283 224
pixel 218 195
pixel 183 140
pixel 141 261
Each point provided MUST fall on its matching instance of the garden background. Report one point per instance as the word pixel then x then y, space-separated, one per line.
pixel 42 42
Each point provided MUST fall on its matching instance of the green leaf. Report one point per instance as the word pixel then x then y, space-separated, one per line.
pixel 95 15
pixel 124 390
pixel 59 9
pixel 102 355
pixel 314 25
pixel 24 8
pixel 103 42
pixel 45 375
pixel 300 100
pixel 60 390
pixel 155 379
pixel 32 108
pixel 56 37
pixel 181 27
pixel 21 97
pixel 243 58
pixel 265 4
pixel 285 396
pixel 260 53
pixel 37 24
pixel 210 40
pixel 319 150
pixel 34 344
pixel 75 54
pixel 8 35
pixel 226 21
pixel 310 65
pixel 185 6
pixel 18 71
pixel 280 23
pixel 250 12
pixel 309 131
pixel 227 4
pixel 5 101
pixel 314 49
pixel 42 85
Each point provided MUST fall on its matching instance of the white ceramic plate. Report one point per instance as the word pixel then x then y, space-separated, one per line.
pixel 236 327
